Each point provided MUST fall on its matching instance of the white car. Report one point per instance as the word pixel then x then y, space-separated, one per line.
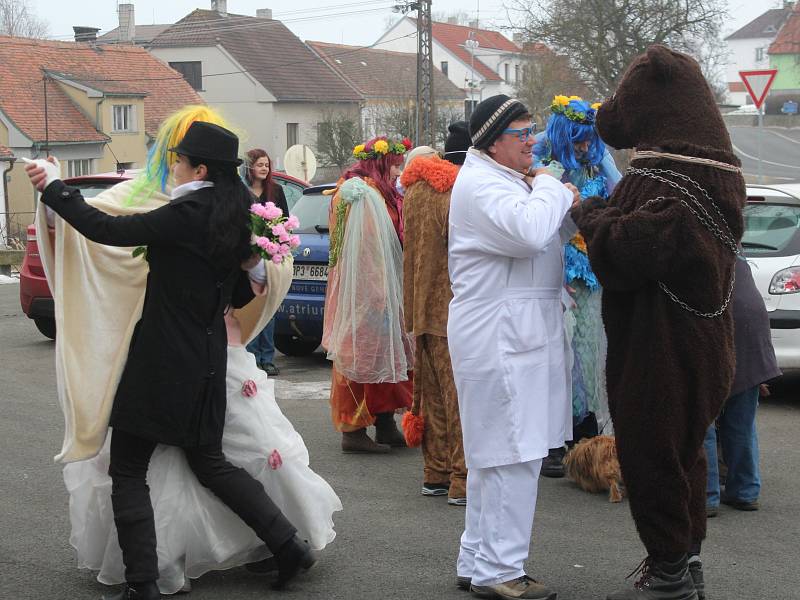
pixel 771 243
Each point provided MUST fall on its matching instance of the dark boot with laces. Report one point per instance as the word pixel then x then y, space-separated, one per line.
pixel 136 591
pixel 660 580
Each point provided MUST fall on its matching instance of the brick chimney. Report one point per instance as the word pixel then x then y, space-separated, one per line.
pixel 85 34
pixel 127 23
pixel 221 6
pixel 264 13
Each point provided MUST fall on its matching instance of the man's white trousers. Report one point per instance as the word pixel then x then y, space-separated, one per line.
pixel 501 502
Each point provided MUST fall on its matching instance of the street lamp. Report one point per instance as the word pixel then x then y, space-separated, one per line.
pixel 472 44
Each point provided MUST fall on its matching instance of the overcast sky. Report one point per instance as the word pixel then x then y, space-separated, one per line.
pixel 356 22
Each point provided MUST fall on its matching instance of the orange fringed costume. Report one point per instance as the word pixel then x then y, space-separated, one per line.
pixel 353 404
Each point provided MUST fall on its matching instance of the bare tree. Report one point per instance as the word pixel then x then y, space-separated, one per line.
pixel 18 20
pixel 337 134
pixel 601 37
pixel 546 74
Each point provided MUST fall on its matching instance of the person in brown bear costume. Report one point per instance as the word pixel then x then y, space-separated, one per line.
pixel 663 248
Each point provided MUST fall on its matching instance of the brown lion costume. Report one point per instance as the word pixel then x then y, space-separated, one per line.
pixel 663 248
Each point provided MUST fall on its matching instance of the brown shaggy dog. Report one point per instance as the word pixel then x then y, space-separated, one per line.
pixel 593 465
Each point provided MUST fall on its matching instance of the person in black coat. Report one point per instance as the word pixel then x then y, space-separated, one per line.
pixel 258 175
pixel 172 389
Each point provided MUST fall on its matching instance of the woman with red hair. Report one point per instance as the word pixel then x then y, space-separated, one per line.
pixel 363 332
pixel 258 175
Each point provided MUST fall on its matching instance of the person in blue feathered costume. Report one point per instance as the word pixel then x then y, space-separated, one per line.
pixel 572 149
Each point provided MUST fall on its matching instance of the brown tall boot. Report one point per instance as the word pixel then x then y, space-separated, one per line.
pixel 358 442
pixel 386 431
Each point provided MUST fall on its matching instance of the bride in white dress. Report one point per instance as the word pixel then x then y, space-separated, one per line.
pixel 196 532
pixel 98 294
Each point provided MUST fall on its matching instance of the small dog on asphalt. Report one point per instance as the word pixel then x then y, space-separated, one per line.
pixel 593 465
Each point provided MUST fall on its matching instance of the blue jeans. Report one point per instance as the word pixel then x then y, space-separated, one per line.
pixel 737 432
pixel 263 345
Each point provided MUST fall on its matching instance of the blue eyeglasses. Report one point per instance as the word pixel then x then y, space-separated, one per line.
pixel 524 133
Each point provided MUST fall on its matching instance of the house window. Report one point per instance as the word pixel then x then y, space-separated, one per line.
pixel 123 118
pixel 516 74
pixel 192 71
pixel 292 134
pixel 81 166
pixel 759 54
pixel 444 66
pixel 506 72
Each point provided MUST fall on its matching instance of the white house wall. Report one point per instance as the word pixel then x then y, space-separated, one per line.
pixel 742 57
pixel 457 71
pixel 244 103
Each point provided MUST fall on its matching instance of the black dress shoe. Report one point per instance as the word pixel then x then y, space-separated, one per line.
pixel 136 591
pixel 294 556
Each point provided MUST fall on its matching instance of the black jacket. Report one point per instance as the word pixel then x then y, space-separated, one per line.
pixel 278 198
pixel 172 388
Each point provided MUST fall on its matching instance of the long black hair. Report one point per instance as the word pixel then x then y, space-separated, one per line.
pixel 229 234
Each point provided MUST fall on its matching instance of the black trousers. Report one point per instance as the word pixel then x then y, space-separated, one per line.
pixel 133 511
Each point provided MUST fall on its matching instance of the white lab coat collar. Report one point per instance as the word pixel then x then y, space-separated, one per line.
pixel 493 163
pixel 185 188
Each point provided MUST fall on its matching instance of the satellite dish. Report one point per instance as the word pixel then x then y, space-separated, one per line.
pixel 299 161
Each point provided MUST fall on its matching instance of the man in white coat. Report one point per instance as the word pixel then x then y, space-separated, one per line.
pixel 506 335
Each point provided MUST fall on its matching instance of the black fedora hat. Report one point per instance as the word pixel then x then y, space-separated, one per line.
pixel 211 142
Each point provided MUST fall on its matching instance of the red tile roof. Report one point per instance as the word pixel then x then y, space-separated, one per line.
pixel 382 73
pixel 267 50
pixel 788 39
pixel 114 70
pixel 453 37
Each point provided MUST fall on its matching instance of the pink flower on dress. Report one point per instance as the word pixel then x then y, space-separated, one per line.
pixel 263 242
pixel 278 230
pixel 275 461
pixel 292 222
pixel 277 259
pixel 258 209
pixel 249 388
pixel 294 241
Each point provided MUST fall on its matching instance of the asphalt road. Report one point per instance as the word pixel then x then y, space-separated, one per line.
pixel 392 543
pixel 780 153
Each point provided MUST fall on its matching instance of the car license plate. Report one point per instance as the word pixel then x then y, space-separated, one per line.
pixel 311 272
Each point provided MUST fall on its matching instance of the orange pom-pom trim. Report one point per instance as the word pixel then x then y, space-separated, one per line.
pixel 413 429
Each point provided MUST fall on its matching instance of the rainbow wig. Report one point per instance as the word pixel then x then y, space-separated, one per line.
pixel 159 159
pixel 573 122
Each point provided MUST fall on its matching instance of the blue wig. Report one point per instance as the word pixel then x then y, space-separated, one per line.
pixel 564 131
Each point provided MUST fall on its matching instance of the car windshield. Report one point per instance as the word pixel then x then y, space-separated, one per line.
pixel 769 227
pixel 312 211
pixel 90 190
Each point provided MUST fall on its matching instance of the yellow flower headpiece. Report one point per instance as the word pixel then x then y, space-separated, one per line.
pixel 575 109
pixel 381 147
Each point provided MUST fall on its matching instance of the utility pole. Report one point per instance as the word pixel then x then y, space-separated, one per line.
pixel 426 113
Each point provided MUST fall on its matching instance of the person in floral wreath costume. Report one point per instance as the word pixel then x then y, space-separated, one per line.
pixel 364 331
pixel 433 420
pixel 194 529
pixel 663 247
pixel 570 147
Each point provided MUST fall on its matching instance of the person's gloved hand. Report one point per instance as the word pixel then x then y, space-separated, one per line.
pixel 42 172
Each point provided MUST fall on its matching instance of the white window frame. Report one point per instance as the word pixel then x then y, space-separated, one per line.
pixel 123 118
pixel 80 166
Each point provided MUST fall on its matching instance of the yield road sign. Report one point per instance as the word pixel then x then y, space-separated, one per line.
pixel 758 83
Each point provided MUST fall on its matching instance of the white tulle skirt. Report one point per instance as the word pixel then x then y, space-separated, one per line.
pixel 196 532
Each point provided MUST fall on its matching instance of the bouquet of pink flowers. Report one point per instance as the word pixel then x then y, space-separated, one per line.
pixel 272 237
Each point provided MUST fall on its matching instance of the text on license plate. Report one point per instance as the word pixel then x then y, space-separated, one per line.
pixel 311 272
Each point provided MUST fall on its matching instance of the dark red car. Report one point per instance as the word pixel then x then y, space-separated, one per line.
pixel 34 293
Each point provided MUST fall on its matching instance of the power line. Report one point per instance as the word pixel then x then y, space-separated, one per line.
pixel 235 23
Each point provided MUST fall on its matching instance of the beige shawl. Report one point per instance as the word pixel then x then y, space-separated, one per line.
pixel 99 293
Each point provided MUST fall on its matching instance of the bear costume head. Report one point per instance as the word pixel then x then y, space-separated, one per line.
pixel 663 101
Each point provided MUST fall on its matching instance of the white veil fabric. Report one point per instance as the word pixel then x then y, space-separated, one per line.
pixel 364 332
